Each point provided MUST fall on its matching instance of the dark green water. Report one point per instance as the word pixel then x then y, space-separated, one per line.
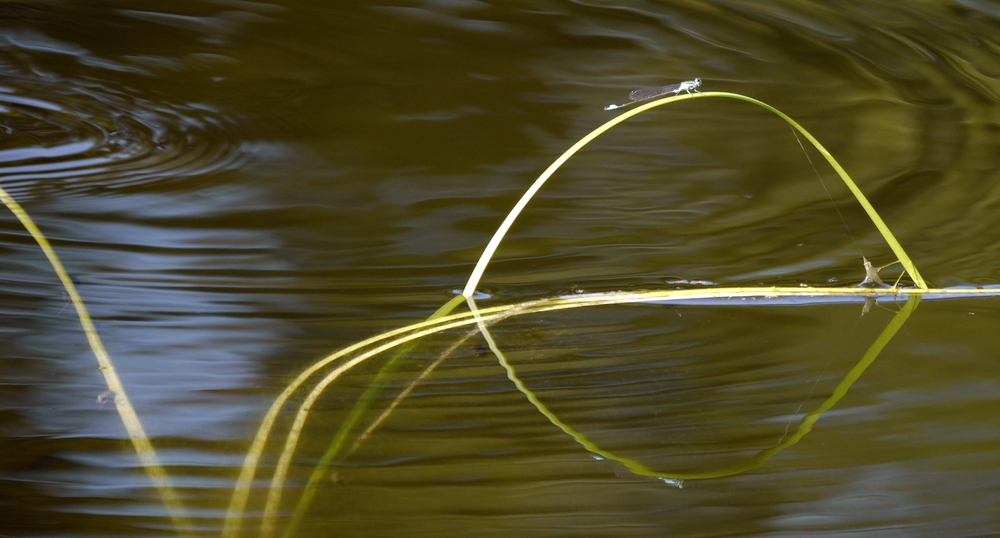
pixel 241 188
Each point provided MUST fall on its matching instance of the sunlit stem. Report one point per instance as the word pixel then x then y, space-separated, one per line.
pixel 140 442
pixel 498 236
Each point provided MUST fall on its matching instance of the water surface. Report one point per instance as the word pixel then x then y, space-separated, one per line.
pixel 241 188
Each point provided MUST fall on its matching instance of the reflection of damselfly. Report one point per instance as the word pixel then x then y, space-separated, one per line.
pixel 648 93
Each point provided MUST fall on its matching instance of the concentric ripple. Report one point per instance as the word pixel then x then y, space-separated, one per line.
pixel 80 132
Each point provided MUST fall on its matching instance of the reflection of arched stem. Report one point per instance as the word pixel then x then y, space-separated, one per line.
pixel 641 469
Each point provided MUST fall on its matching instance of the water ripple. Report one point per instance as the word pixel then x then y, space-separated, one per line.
pixel 71 130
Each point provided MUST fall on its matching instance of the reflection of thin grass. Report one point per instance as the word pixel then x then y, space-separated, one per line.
pixel 150 462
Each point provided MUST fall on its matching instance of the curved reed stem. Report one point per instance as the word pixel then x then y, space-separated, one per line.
pixel 281 471
pixel 484 260
pixel 140 442
pixel 333 451
pixel 241 492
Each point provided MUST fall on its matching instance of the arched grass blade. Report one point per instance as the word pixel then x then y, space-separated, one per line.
pixel 498 236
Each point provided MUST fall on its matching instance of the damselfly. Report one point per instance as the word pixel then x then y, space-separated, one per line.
pixel 648 93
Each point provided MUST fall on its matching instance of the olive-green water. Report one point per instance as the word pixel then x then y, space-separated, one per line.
pixel 239 189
